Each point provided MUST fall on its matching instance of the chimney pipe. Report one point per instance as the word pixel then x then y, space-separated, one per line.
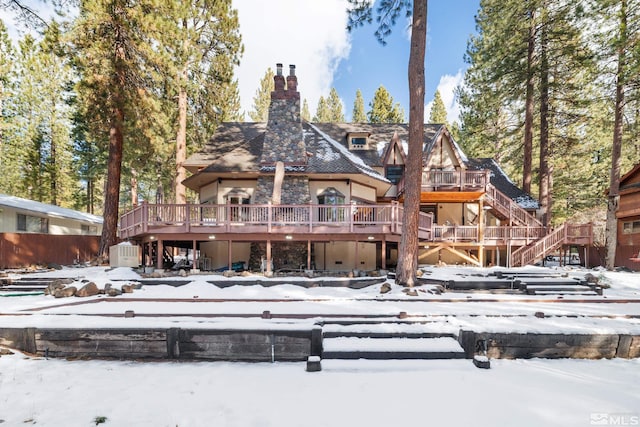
pixel 292 70
pixel 279 69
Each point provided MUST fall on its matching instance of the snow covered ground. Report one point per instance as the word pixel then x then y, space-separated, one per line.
pixel 53 393
pixel 534 392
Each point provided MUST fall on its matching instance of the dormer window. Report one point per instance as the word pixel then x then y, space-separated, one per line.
pixel 358 141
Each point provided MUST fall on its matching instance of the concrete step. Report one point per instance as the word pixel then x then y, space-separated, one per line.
pixel 392 348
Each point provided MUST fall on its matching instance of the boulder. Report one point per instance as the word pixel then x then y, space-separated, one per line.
pixel 114 292
pixel 88 290
pixel 53 287
pixel 127 289
pixel 65 292
pixel 590 278
pixel 385 288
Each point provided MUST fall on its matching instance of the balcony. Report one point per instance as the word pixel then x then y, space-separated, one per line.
pixel 272 219
pixel 452 180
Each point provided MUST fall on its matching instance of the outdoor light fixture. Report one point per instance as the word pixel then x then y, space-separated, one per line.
pixel 370 238
pixel 152 237
pixel 288 237
pixel 212 237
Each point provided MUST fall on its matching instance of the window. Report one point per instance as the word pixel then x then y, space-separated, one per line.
pixel 89 229
pixel 358 141
pixel 32 224
pixel 331 197
pixel 394 173
pixel 239 197
pixel 630 227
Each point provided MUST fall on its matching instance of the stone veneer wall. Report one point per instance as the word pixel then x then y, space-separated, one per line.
pixel 284 140
pixel 295 190
pixel 285 255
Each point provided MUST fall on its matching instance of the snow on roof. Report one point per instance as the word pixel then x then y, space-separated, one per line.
pixel 355 160
pixel 46 209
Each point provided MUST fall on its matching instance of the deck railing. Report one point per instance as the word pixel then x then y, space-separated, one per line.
pixel 463 180
pixel 186 218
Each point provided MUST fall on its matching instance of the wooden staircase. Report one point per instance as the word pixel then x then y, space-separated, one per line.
pixel 537 250
pixel 506 209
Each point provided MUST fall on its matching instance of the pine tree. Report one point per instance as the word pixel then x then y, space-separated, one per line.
pixel 358 115
pixel 116 53
pixel 9 150
pixel 323 114
pixel 388 12
pixel 262 98
pixel 197 35
pixel 334 105
pixel 438 112
pixel 383 109
pixel 305 114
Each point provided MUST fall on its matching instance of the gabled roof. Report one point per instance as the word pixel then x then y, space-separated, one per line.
pixel 26 205
pixel 236 146
pixel 501 181
pixel 631 180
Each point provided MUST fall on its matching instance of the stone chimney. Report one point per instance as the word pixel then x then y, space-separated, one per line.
pixel 283 139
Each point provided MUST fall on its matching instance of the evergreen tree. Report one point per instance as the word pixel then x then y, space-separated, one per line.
pixel 197 35
pixel 383 109
pixel 358 115
pixel 116 51
pixel 323 114
pixel 262 98
pixel 10 150
pixel 305 114
pixel 438 112
pixel 388 12
pixel 334 105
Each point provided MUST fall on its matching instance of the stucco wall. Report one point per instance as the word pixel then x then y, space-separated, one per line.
pixel 218 253
pixel 341 256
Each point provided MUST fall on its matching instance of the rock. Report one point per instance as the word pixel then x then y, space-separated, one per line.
pixel 5 352
pixel 107 286
pixel 590 278
pixel 410 292
pixel 182 273
pixel 114 292
pixel 54 266
pixel 65 292
pixel 53 287
pixel 88 290
pixel 539 314
pixel 419 273
pixel 229 273
pixel 385 288
pixel 127 289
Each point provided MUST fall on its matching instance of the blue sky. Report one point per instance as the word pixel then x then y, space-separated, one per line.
pixel 312 35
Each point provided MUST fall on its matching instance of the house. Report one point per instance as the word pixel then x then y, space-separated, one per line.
pixel 628 216
pixel 32 232
pixel 293 195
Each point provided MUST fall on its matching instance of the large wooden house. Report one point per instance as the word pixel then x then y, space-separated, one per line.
pixel 294 195
pixel 628 215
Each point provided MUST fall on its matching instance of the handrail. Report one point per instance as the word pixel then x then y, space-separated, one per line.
pixel 462 179
pixel 226 216
pixel 526 255
pixel 505 205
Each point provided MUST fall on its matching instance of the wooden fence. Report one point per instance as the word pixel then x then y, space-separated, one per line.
pixel 23 249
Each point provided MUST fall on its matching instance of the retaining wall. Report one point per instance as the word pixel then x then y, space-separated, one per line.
pixel 551 346
pixel 173 343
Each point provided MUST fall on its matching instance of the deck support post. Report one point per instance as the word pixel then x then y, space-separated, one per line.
pixel 268 271
pixel 383 258
pixel 309 254
pixel 230 254
pixel 194 267
pixel 160 255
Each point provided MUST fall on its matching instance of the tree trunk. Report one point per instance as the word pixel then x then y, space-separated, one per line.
pixel 181 141
pixel 116 131
pixel 408 251
pixel 611 237
pixel 544 193
pixel 528 117
pixel 112 194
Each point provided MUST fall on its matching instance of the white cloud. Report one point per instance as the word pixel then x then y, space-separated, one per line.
pixel 447 86
pixel 310 34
